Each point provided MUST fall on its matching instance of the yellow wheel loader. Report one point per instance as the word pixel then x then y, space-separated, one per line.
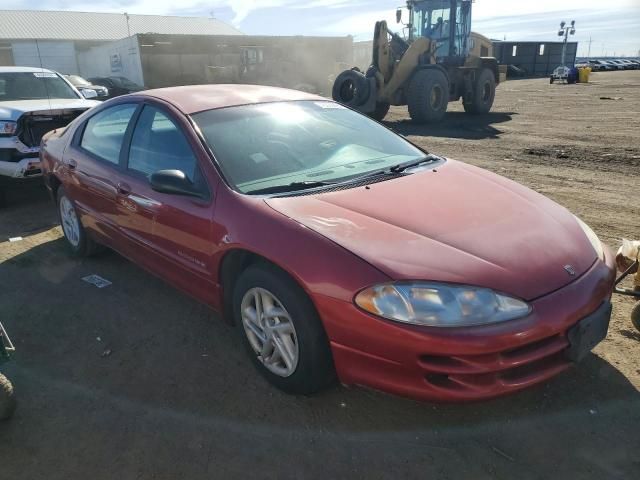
pixel 432 66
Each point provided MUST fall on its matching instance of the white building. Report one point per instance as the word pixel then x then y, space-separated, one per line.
pixel 55 39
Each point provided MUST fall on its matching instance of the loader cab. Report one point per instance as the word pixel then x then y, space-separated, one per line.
pixel 447 22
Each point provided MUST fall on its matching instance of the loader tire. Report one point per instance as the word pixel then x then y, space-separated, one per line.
pixel 380 112
pixel 7 398
pixel 351 88
pixel 428 96
pixel 484 93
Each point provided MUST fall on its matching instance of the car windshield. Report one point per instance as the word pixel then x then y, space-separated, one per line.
pixel 275 144
pixel 33 86
pixel 78 81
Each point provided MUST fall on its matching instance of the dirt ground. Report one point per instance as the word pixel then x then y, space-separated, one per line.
pixel 137 381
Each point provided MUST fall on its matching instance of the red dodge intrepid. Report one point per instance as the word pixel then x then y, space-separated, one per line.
pixel 337 247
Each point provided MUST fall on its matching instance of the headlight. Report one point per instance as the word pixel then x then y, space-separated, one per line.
pixel 7 128
pixel 440 305
pixel 593 238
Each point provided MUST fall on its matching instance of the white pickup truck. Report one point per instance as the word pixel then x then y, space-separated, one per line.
pixel 33 101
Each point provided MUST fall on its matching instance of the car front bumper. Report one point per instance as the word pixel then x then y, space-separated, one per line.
pixel 465 364
pixel 18 160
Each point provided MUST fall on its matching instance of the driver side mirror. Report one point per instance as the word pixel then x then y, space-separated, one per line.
pixel 173 182
pixel 398 15
pixel 89 93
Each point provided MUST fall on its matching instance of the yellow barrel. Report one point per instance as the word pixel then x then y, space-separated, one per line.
pixel 583 74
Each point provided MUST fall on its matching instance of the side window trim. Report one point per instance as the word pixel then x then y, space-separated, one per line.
pixel 79 134
pixel 126 144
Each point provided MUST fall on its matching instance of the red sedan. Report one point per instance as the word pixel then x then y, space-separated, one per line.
pixel 337 247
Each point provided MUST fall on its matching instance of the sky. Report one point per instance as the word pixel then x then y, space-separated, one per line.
pixel 612 26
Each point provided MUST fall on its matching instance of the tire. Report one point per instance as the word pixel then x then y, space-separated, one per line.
pixel 310 368
pixel 551 80
pixel 380 112
pixel 351 88
pixel 428 96
pixel 635 316
pixel 484 93
pixel 77 239
pixel 7 398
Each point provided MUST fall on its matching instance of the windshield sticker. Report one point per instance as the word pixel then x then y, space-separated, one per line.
pixel 259 157
pixel 44 75
pixel 329 105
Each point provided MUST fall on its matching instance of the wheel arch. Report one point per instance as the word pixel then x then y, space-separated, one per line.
pixel 233 263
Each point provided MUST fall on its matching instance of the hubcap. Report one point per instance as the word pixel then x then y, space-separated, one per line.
pixel 70 224
pixel 270 331
pixel 436 97
pixel 486 92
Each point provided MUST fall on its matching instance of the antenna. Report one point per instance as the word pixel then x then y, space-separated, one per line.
pixel 44 81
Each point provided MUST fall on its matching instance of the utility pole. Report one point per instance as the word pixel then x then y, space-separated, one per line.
pixel 126 16
pixel 589 54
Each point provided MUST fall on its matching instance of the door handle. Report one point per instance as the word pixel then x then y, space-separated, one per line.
pixel 72 164
pixel 123 188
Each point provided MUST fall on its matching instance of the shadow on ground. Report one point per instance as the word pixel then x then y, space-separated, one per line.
pixel 456 125
pixel 145 380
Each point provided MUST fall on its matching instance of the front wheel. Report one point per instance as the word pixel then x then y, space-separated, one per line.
pixel 484 93
pixel 282 331
pixel 7 398
pixel 380 112
pixel 428 96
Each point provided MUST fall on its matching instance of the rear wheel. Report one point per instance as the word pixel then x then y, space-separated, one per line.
pixel 7 398
pixel 282 331
pixel 380 112
pixel 428 96
pixel 484 93
pixel 74 233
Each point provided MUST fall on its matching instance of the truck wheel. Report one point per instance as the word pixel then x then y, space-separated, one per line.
pixel 635 316
pixel 428 96
pixel 351 88
pixel 380 112
pixel 484 93
pixel 7 398
pixel 74 233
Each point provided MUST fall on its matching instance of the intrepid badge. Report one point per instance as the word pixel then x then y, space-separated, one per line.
pixel 570 270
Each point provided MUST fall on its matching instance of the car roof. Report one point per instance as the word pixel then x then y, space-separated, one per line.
pixel 198 98
pixel 24 70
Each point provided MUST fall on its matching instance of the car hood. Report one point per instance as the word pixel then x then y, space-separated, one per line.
pixel 457 224
pixel 15 109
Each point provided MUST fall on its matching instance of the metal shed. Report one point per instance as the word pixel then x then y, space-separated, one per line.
pixel 538 59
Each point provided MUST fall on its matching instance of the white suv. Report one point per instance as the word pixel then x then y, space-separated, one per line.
pixel 33 101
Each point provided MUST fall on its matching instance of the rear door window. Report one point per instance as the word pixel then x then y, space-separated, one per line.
pixel 105 131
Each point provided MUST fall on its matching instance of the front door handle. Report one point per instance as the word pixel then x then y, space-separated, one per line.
pixel 123 188
pixel 72 164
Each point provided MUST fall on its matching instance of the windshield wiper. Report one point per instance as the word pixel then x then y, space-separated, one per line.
pixel 290 187
pixel 401 167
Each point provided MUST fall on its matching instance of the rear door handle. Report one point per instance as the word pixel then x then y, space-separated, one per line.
pixel 72 164
pixel 123 188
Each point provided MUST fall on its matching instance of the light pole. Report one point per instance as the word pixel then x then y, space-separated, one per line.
pixel 565 31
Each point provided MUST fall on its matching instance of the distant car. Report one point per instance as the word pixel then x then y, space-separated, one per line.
pixel 33 101
pixel 629 65
pixel 117 85
pixel 338 247
pixel 81 84
pixel 599 66
pixel 613 65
